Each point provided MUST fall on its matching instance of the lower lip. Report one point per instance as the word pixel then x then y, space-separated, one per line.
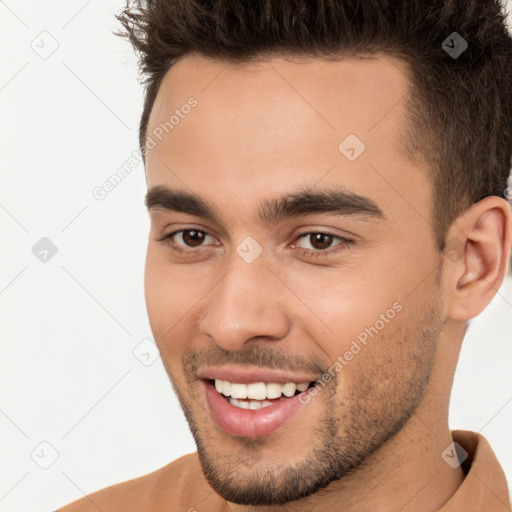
pixel 247 422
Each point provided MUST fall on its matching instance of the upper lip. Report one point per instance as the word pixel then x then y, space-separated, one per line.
pixel 251 374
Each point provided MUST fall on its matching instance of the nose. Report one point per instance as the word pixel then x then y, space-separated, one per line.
pixel 248 302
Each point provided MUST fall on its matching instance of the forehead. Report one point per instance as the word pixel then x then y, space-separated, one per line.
pixel 266 125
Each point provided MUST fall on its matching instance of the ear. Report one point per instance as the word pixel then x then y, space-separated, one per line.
pixel 476 257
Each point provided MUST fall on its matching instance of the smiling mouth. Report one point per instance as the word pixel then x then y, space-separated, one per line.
pixel 258 395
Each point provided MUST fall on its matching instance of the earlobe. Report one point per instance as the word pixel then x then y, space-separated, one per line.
pixel 482 238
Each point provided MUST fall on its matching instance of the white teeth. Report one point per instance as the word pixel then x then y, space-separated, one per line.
pixel 274 390
pixel 226 388
pixel 289 389
pixel 303 386
pixel 252 404
pixel 258 390
pixel 241 403
pixel 239 390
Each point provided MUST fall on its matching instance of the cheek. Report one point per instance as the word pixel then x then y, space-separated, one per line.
pixel 167 285
pixel 397 357
pixel 167 296
pixel 338 308
pixel 155 291
pixel 175 295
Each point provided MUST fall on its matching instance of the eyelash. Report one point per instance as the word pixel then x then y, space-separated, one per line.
pixel 344 243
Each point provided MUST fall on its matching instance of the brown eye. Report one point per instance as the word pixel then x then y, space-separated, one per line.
pixel 320 240
pixel 318 244
pixel 193 238
pixel 185 241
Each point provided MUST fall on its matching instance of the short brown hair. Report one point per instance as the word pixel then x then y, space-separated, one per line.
pixel 460 107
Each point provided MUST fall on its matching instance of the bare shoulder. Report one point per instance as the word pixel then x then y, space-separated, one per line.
pixel 164 487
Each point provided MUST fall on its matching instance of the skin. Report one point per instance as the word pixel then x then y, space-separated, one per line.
pixel 372 439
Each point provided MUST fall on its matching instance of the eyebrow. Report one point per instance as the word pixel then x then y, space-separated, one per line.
pixel 336 201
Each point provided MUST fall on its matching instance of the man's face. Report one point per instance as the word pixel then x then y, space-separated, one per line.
pixel 341 290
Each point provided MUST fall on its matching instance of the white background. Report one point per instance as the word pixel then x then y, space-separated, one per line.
pixel 69 327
